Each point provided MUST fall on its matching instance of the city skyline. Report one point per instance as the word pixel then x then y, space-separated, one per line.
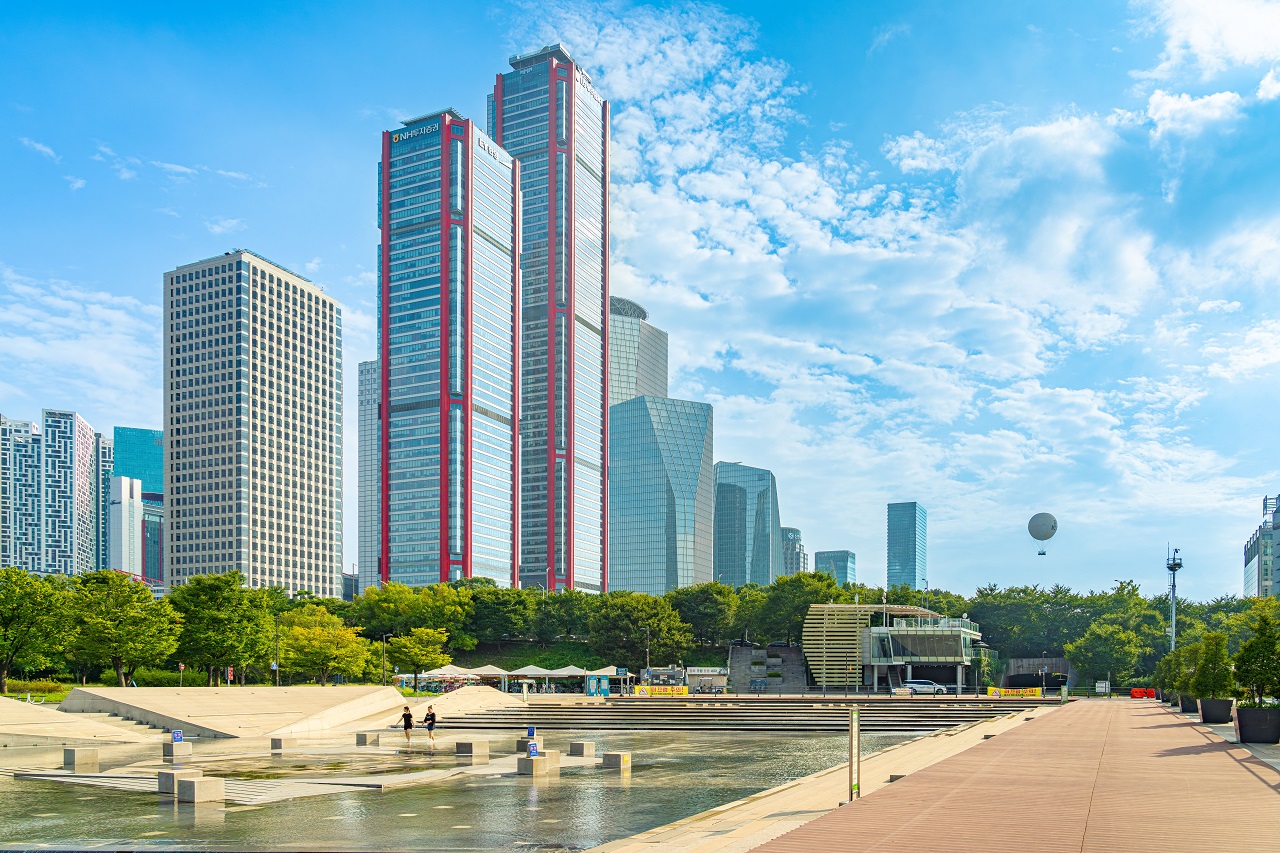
pixel 916 314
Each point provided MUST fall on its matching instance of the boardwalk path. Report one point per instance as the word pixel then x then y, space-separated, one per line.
pixel 1095 776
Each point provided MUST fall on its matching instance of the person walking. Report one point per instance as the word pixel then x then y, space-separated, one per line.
pixel 429 720
pixel 407 719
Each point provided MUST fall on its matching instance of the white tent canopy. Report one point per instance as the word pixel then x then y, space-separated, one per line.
pixel 449 670
pixel 489 670
pixel 611 671
pixel 567 672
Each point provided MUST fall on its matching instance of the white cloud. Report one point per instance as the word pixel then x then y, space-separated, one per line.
pixel 313 265
pixel 169 211
pixel 39 148
pixel 174 170
pixel 1185 116
pixel 1221 305
pixel 917 153
pixel 1214 36
pixel 1240 356
pixel 1269 88
pixel 238 176
pixel 886 34
pixel 224 226
pixel 74 183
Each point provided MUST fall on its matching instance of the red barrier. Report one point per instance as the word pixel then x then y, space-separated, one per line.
pixel 1151 693
pixel 1137 693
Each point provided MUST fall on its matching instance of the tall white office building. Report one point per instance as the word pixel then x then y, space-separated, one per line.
pixel 368 462
pixel 253 402
pixel 125 552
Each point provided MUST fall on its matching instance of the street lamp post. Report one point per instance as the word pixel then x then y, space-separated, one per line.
pixel 647 665
pixel 276 662
pixel 384 661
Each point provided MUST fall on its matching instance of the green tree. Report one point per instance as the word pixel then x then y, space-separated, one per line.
pixel 1105 649
pixel 1257 664
pixel 223 624
pixel 708 608
pixel 314 641
pixel 625 623
pixel 748 613
pixel 566 613
pixel 497 614
pixel 1213 670
pixel 1185 662
pixel 451 609
pixel 787 602
pixel 120 623
pixel 421 650
pixel 32 621
pixel 392 608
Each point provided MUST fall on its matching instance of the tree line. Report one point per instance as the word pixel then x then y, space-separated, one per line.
pixel 102 621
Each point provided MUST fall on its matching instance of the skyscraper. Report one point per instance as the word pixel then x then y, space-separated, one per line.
pixel 907 545
pixel 748 533
pixel 20 494
pixel 448 344
pixel 794 559
pixel 637 353
pixel 1259 566
pixel 139 455
pixel 127 542
pixel 253 391
pixel 841 565
pixel 104 468
pixel 661 494
pixel 369 454
pixel 70 492
pixel 546 113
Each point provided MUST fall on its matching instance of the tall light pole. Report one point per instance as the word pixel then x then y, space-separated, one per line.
pixel 647 666
pixel 275 664
pixel 1173 563
pixel 384 662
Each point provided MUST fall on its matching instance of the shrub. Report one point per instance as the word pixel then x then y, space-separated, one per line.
pixel 38 686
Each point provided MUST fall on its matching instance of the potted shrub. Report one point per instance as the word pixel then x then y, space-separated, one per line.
pixel 1257 671
pixel 1212 679
pixel 1186 670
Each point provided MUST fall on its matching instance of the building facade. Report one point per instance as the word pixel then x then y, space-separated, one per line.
pixel 748 532
pixel 253 402
pixel 661 494
pixel 547 114
pixel 139 455
pixel 907 541
pixel 125 523
pixel 1259 575
pixel 637 353
pixel 104 470
pixel 448 341
pixel 70 495
pixel 20 494
pixel 841 565
pixel 152 541
pixel 369 455
pixel 794 559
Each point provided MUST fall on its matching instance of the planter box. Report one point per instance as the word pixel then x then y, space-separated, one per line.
pixel 1172 699
pixel 1188 705
pixel 1258 725
pixel 1159 695
pixel 1216 711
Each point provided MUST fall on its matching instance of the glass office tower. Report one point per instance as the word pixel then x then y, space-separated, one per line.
pixel 841 565
pixel 661 495
pixel 370 490
pixel 794 558
pixel 448 345
pixel 637 353
pixel 748 532
pixel 546 113
pixel 139 455
pixel 907 545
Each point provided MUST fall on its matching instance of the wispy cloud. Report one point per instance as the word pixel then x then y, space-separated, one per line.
pixel 168 211
pixel 884 35
pixel 174 169
pixel 1183 115
pixel 74 183
pixel 313 265
pixel 39 148
pixel 224 226
pixel 238 176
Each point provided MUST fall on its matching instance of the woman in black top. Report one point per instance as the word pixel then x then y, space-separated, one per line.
pixel 407 719
pixel 429 720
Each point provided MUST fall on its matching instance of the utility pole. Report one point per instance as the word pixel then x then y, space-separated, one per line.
pixel 1173 563
pixel 647 666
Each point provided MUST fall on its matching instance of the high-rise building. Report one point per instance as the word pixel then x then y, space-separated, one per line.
pixel 139 455
pixel 104 455
pixel 748 532
pixel 546 113
pixel 907 545
pixel 253 402
pixel 448 344
pixel 1259 577
pixel 637 353
pixel 661 494
pixel 70 491
pixel 369 455
pixel 152 541
pixel 125 522
pixel 20 492
pixel 841 565
pixel 794 559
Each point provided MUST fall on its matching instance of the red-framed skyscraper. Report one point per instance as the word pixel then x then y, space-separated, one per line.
pixel 449 349
pixel 548 116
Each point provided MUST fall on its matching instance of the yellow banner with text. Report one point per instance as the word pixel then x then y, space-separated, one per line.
pixel 999 692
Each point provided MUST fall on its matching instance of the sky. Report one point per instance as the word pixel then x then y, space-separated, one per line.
pixel 998 258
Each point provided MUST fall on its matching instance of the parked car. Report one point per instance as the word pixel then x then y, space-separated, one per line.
pixel 928 688
pixel 779 644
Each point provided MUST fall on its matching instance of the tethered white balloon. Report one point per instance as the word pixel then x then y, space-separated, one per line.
pixel 1042 526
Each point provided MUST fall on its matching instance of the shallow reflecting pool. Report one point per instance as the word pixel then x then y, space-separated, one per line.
pixel 674 775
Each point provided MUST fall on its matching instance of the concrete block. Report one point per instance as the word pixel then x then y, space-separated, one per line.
pixel 280 744
pixel 617 761
pixel 80 759
pixel 532 766
pixel 582 748
pixel 172 750
pixel 367 739
pixel 553 758
pixel 472 748
pixel 202 789
pixel 522 744
pixel 167 780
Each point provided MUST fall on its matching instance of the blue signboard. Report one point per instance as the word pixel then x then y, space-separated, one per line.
pixel 532 731
pixel 533 750
pixel 622 672
pixel 177 735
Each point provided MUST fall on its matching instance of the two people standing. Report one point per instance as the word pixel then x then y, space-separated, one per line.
pixel 428 720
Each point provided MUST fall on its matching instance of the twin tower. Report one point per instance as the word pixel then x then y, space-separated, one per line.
pixel 488 452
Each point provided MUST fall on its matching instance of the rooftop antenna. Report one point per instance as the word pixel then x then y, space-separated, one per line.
pixel 1173 562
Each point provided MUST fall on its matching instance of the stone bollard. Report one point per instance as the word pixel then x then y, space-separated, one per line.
pixel 280 744
pixel 167 780
pixel 367 739
pixel 617 761
pixel 582 748
pixel 80 759
pixel 526 766
pixel 173 750
pixel 471 748
pixel 202 789
pixel 522 744
pixel 553 758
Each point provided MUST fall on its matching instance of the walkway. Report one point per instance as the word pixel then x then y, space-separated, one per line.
pixel 1097 775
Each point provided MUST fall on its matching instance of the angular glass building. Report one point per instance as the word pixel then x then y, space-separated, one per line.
pixel 139 455
pixel 748 532
pixel 661 494
pixel 637 353
pixel 794 559
pixel 448 345
pixel 907 545
pixel 841 565
pixel 546 113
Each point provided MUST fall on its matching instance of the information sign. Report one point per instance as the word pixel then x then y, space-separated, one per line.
pixel 533 750
pixel 177 735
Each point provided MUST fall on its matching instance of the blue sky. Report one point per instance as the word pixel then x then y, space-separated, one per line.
pixel 998 258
